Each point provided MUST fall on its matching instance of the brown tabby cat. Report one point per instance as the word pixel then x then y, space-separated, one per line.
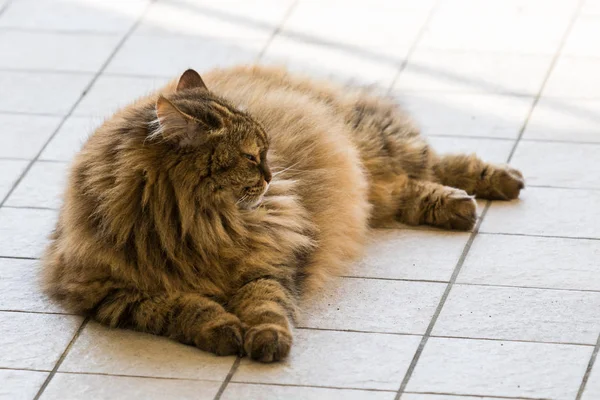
pixel 202 214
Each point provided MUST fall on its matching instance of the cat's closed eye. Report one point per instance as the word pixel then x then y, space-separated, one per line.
pixel 250 157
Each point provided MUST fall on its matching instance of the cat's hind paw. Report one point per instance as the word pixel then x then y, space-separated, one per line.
pixel 267 342
pixel 504 183
pixel 459 211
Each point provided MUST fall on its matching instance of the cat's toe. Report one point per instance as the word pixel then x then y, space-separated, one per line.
pixel 460 211
pixel 224 338
pixel 267 342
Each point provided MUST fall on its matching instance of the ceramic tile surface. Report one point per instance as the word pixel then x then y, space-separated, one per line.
pixel 506 312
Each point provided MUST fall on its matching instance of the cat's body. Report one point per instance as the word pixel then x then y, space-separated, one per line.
pixel 151 237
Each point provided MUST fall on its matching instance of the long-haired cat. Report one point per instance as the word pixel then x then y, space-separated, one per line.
pixel 202 212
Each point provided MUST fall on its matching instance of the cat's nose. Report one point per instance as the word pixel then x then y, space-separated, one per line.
pixel 268 176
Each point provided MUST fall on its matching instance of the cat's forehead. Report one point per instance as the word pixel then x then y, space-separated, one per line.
pixel 255 142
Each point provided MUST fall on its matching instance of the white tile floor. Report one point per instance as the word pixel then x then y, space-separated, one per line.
pixel 510 311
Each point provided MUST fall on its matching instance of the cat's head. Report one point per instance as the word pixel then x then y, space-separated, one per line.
pixel 212 137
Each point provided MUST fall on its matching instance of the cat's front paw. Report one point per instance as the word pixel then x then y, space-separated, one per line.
pixel 267 342
pixel 223 337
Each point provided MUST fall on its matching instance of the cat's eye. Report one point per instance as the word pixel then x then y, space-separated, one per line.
pixel 250 157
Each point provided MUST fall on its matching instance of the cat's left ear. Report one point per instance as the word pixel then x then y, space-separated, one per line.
pixel 190 79
pixel 174 123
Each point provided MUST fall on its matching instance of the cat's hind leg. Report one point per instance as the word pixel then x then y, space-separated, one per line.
pixel 479 178
pixel 429 203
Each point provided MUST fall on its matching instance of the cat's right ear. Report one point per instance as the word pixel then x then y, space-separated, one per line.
pixel 190 79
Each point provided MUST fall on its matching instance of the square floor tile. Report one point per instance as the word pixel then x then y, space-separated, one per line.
pixel 55 51
pixel 410 254
pixel 592 388
pixel 373 305
pixel 481 26
pixel 238 19
pixel 124 352
pixel 372 66
pixel 11 171
pixel 20 287
pixel 34 341
pixel 464 114
pixel 74 16
pixel 468 72
pixel 24 135
pixel 397 25
pixel 20 385
pixel 582 38
pixel 337 359
pixel 565 119
pixel 496 368
pixel 24 232
pixel 532 261
pixel 237 391
pixel 110 93
pixel 41 92
pixel 103 387
pixel 70 138
pixel 42 186
pixel 547 212
pixel 542 315
pixel 138 56
pixel 574 77
pixel 490 150
pixel 572 165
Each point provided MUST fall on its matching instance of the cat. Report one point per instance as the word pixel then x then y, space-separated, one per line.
pixel 202 212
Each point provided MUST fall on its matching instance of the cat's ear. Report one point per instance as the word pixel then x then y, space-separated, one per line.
pixel 190 79
pixel 174 124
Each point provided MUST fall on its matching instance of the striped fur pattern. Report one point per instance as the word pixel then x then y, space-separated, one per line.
pixel 186 217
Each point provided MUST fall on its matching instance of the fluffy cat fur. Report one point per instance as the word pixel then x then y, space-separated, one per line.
pixel 187 217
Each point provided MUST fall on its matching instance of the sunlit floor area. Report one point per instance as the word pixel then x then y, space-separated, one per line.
pixel 509 311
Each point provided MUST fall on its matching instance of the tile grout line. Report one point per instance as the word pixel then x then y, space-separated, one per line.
pixel 276 31
pixel 164 378
pixel 553 62
pixel 228 378
pixel 37 312
pixel 588 370
pixel 509 139
pixel 440 305
pixel 58 31
pixel 489 339
pixel 23 369
pixel 19 258
pixel 412 48
pixel 482 395
pixel 61 359
pixel 541 236
pixel 315 386
pixel 78 101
